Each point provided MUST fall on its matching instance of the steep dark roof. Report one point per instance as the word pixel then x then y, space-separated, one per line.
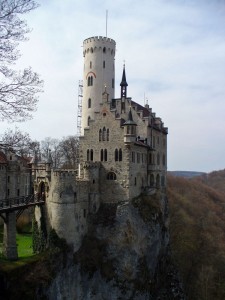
pixel 139 107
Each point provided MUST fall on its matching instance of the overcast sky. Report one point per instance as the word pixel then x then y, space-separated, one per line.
pixel 175 55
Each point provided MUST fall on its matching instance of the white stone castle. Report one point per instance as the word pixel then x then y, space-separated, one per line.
pixel 123 150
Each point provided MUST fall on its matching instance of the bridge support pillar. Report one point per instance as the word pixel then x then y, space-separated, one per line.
pixel 9 239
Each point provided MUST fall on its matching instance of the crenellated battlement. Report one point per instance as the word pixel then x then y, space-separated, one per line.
pixel 99 39
pixel 64 173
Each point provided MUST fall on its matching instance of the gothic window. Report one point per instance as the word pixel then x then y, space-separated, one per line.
pixel 101 155
pixel 88 155
pixel 90 64
pixel 105 154
pixel 104 50
pixel 120 154
pixel 88 122
pixel 100 135
pixel 104 134
pixel 111 176
pixel 116 155
pixel 89 103
pixel 103 64
pixel 107 135
pixel 91 155
pixel 91 80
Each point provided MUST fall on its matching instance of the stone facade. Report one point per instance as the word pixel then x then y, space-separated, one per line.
pixel 122 151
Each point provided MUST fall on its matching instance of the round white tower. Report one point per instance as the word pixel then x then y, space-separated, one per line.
pixel 99 72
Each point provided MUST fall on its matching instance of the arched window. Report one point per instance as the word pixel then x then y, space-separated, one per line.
pixel 100 135
pixel 91 81
pixel 111 176
pixel 92 155
pixel 104 134
pixel 120 155
pixel 88 121
pixel 116 155
pixel 89 103
pixel 88 153
pixel 105 155
pixel 101 155
pixel 104 50
pixel 107 135
pixel 90 64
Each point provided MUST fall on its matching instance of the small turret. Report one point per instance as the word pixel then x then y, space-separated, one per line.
pixel 129 129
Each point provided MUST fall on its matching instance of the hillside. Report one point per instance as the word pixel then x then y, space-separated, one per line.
pixel 197 231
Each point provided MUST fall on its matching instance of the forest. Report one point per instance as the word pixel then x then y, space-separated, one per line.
pixel 197 232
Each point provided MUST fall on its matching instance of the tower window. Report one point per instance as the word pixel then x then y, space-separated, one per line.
pixel 92 156
pixel 100 135
pixel 88 121
pixel 103 64
pixel 104 50
pixel 90 64
pixel 89 103
pixel 88 155
pixel 90 80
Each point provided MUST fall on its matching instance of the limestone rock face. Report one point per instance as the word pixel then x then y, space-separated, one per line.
pixel 123 256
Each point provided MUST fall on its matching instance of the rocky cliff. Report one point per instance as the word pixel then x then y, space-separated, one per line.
pixel 125 255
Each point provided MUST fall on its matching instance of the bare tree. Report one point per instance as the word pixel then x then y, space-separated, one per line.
pixel 18 90
pixel 51 146
pixel 20 142
pixel 69 148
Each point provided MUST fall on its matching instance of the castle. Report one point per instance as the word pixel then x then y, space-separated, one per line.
pixel 122 152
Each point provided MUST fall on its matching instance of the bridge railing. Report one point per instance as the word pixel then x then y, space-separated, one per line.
pixel 20 201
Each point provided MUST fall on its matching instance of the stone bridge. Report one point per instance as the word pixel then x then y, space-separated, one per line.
pixel 10 210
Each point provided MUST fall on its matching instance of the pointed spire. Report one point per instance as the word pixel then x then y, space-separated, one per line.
pixel 124 84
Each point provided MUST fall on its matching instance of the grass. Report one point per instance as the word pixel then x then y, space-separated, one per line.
pixel 24 243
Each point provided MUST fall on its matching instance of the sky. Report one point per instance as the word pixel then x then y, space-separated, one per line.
pixel 174 52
